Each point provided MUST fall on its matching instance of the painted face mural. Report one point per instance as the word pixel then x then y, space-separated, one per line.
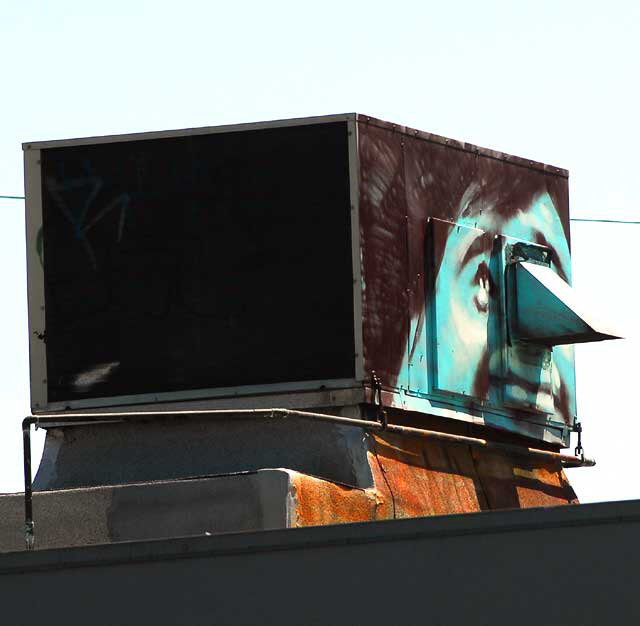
pixel 474 356
pixel 438 221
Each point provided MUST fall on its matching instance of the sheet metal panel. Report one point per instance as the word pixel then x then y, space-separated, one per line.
pixel 320 503
pixel 548 311
pixel 431 478
pixel 384 254
pixel 499 196
pixel 418 478
pixel 417 220
pixel 461 324
pixel 177 264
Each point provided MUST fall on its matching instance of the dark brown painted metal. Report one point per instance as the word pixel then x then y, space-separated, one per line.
pixel 384 252
pixel 408 177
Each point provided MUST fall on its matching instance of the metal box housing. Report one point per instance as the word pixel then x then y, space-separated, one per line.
pixel 282 264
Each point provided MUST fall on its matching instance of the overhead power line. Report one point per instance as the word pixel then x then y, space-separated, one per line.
pixel 573 219
pixel 589 219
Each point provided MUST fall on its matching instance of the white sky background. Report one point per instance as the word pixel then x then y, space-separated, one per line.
pixel 554 81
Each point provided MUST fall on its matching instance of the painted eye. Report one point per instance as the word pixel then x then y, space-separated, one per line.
pixel 482 278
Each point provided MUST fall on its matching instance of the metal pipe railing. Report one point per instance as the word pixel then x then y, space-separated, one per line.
pixel 28 486
pixel 567 460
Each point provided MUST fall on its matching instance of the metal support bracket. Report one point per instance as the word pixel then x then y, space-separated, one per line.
pixel 376 386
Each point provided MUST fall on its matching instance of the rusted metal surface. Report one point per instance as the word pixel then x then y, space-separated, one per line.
pixel 319 502
pixel 512 482
pixel 436 478
pixel 417 478
pixel 426 478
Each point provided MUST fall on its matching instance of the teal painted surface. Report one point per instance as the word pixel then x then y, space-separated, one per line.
pixel 460 324
pixel 456 214
pixel 546 311
pixel 474 356
pixel 439 220
pixel 540 314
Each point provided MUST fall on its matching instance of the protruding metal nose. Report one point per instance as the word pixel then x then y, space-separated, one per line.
pixel 546 310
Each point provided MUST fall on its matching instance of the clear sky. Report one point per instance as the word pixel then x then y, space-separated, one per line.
pixel 552 81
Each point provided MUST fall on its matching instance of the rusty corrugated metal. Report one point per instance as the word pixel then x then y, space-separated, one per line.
pixel 417 478
pixel 431 478
pixel 320 502
pixel 510 482
pixel 427 478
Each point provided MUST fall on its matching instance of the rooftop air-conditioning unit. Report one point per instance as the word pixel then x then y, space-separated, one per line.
pixel 291 263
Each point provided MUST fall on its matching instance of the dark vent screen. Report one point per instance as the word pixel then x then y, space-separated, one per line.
pixel 196 262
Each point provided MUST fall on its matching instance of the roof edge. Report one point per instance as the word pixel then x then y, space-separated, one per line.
pixel 463 146
pixel 182 132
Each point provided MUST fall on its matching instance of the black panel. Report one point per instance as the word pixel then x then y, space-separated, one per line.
pixel 196 262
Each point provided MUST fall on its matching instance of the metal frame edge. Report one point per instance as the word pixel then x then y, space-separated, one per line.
pixel 35 279
pixel 356 256
pixel 183 132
